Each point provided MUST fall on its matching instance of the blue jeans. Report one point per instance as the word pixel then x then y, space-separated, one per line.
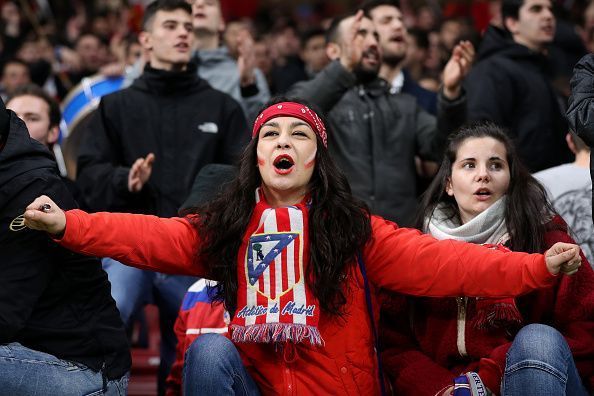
pixel 539 362
pixel 132 288
pixel 24 371
pixel 212 366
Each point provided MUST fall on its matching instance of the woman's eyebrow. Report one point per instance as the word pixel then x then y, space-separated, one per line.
pixel 298 123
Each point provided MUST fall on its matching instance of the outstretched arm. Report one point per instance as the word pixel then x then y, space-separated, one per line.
pixel 146 242
pixel 406 261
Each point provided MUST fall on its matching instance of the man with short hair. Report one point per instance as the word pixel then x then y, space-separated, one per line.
pixel 511 84
pixel 145 146
pixel 313 51
pixel 40 112
pixel 393 40
pixel 15 73
pixel 375 134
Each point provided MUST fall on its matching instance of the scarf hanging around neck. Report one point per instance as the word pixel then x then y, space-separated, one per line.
pixel 274 303
pixel 487 228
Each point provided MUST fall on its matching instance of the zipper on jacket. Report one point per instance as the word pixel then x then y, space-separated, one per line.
pixel 286 364
pixel 462 303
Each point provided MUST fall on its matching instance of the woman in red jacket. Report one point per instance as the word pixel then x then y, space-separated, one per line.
pixel 483 195
pixel 299 262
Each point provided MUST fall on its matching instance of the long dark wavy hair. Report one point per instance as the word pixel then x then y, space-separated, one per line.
pixel 528 210
pixel 339 227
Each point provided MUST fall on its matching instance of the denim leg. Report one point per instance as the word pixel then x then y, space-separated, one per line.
pixel 213 367
pixel 539 362
pixel 118 387
pixel 130 287
pixel 169 292
pixel 27 372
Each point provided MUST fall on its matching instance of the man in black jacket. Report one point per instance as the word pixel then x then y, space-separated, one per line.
pixel 145 147
pixel 60 331
pixel 511 84
pixel 376 134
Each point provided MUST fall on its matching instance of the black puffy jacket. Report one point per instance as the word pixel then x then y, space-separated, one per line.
pixel 511 86
pixel 51 300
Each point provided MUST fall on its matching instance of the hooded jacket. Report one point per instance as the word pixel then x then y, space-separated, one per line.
pixel 51 300
pixel 175 115
pixel 511 86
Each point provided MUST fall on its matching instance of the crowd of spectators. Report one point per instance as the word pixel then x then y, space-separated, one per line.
pixel 442 63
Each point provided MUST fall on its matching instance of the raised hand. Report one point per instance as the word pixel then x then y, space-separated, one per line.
pixel 140 172
pixel 563 257
pixel 43 214
pixel 246 61
pixel 351 48
pixel 457 68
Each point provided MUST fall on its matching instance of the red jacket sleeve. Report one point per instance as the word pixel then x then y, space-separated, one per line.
pixel 145 242
pixel 406 261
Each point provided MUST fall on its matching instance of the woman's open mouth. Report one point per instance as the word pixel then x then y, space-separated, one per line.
pixel 283 164
pixel 483 194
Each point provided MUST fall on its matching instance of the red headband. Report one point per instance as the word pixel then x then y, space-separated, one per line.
pixel 292 109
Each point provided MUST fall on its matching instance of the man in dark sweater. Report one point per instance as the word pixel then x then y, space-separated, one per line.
pixel 145 146
pixel 60 331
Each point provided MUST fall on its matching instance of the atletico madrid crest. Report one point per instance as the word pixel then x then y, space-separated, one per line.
pixel 273 262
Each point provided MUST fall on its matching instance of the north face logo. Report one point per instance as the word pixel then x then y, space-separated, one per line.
pixel 208 127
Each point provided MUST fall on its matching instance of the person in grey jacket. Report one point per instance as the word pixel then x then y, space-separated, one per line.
pixel 580 107
pixel 378 134
pixel 239 78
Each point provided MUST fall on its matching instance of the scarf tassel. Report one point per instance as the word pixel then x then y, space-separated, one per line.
pixel 496 315
pixel 276 332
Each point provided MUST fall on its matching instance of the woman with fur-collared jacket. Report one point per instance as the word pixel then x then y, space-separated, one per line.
pixel 483 195
pixel 283 241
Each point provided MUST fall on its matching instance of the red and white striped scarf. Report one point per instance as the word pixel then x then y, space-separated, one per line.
pixel 274 303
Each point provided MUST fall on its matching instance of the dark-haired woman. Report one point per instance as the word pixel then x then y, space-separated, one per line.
pixel 483 195
pixel 283 243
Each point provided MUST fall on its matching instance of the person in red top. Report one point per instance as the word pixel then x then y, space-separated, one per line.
pixel 483 194
pixel 299 263
pixel 199 314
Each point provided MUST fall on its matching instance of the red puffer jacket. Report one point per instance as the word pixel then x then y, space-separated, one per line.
pixel 397 259
pixel 445 328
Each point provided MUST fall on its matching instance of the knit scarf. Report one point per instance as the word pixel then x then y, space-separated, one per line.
pixel 274 302
pixel 489 229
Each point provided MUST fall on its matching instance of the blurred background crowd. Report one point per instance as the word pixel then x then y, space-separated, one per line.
pixel 56 43
pixel 70 48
